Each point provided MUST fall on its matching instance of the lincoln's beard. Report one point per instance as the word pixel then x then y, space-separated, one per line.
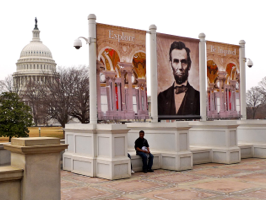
pixel 180 78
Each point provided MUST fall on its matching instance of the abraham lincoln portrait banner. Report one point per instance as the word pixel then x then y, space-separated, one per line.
pixel 178 77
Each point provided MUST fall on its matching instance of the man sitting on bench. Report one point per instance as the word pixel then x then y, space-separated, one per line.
pixel 142 149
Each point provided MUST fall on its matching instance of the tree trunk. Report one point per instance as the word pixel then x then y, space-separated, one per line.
pixel 10 138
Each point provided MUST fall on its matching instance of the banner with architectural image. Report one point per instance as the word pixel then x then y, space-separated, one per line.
pixel 223 75
pixel 121 73
pixel 178 77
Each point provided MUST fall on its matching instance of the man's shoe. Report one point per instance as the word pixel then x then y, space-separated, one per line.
pixel 145 171
pixel 132 172
pixel 150 170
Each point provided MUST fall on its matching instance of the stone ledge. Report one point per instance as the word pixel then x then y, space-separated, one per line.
pixel 38 149
pixel 146 126
pixel 200 148
pixel 251 123
pixel 9 173
pixel 33 141
pixel 2 145
pixel 245 145
pixel 213 125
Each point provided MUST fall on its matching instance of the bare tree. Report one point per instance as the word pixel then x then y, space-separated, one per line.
pixel 255 99
pixel 80 108
pixel 55 96
pixel 61 96
pixel 6 85
pixel 66 95
pixel 31 95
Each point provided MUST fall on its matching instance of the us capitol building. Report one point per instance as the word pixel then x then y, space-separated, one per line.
pixel 35 63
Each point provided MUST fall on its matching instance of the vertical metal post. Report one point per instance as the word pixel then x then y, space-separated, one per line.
pixel 202 72
pixel 93 68
pixel 153 69
pixel 242 61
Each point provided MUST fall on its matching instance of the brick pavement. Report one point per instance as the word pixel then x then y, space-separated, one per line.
pixel 246 180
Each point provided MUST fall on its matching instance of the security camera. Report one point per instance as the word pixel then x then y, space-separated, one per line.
pixel 77 43
pixel 249 63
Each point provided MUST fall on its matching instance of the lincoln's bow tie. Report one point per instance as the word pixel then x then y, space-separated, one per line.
pixel 180 89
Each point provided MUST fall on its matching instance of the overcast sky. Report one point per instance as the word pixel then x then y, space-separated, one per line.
pixel 60 22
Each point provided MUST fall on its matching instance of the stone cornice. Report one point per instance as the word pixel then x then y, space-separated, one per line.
pixel 122 131
pixel 9 173
pixel 38 149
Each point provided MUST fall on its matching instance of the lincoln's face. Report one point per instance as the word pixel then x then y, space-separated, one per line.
pixel 179 65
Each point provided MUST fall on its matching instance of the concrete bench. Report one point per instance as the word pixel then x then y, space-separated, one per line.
pixel 252 150
pixel 201 154
pixel 137 161
pixel 246 150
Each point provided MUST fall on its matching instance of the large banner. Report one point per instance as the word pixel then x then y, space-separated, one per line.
pixel 223 77
pixel 121 73
pixel 178 77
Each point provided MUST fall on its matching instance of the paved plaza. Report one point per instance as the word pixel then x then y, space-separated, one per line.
pixel 246 180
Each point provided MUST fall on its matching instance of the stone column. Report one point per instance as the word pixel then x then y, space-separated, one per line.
pixel 153 69
pixel 130 95
pixel 99 108
pixel 145 99
pixel 226 97
pixel 221 78
pixel 118 83
pixel 40 160
pixel 113 93
pixel 92 66
pixel 221 96
pixel 229 99
pixel 212 96
pixel 123 90
pixel 142 92
pixel 110 75
pixel 141 83
pixel 108 93
pixel 140 103
pixel 127 67
pixel 242 60
pixel 213 101
pixel 209 101
pixel 234 99
pixel 202 71
pixel 233 95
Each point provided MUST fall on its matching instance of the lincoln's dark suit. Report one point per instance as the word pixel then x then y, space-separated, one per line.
pixel 189 106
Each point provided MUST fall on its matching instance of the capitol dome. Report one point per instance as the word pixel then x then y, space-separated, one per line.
pixel 36 49
pixel 35 62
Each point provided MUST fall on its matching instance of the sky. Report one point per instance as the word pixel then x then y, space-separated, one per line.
pixel 61 22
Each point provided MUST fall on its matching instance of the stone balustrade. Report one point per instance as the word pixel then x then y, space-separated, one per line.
pixel 34 172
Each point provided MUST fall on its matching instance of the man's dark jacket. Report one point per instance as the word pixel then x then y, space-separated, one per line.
pixel 189 106
pixel 140 142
